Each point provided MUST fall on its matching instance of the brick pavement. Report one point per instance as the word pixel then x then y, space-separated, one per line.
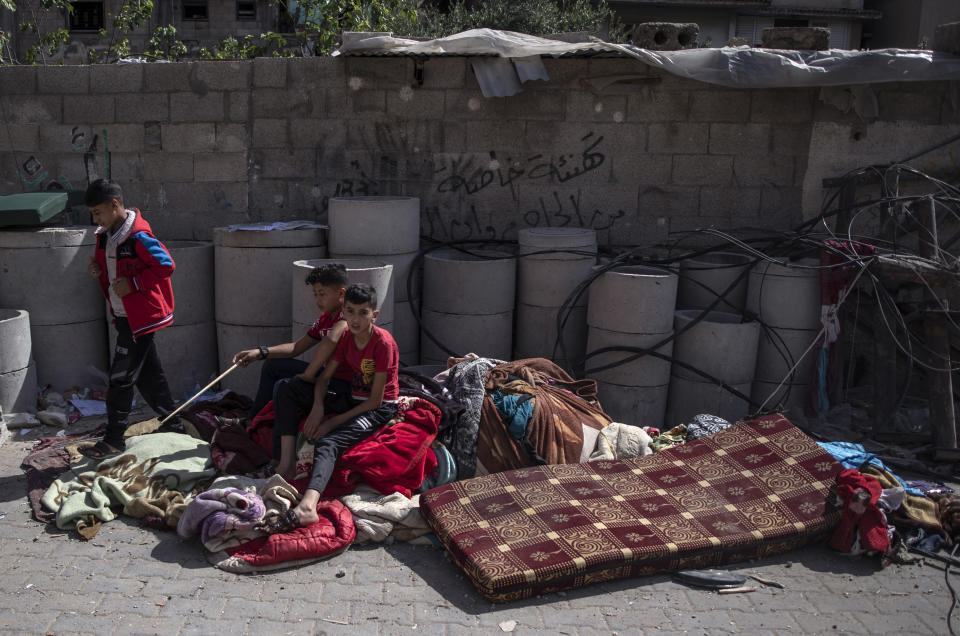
pixel 130 580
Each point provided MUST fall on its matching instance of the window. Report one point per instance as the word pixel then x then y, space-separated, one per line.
pixel 86 16
pixel 194 10
pixel 246 11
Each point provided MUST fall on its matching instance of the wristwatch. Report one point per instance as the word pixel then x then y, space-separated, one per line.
pixel 264 352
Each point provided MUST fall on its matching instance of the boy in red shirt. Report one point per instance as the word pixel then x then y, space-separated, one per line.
pixel 290 382
pixel 133 269
pixel 372 358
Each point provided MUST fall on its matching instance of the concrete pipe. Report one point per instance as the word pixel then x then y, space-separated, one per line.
pixel 193 283
pixel 769 396
pixel 63 352
pixel 18 373
pixel 536 334
pixel 402 270
pixel 719 344
pixel 406 332
pixel 250 266
pixel 779 351
pixel 633 299
pixel 488 336
pixel 370 270
pixel 477 281
pixel 45 272
pixel 547 279
pixel 705 277
pixel 188 354
pixel 374 225
pixel 634 405
pixel 234 338
pixel 688 398
pixel 644 371
pixel 786 296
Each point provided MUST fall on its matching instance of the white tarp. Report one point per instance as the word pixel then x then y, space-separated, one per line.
pixel 741 67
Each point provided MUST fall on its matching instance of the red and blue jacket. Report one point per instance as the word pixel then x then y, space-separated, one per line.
pixel 147 264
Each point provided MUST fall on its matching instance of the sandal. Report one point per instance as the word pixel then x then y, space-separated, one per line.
pixel 284 522
pixel 100 450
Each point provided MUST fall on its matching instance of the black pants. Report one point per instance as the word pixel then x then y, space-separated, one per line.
pixel 135 364
pixel 272 371
pixel 293 399
pixel 328 448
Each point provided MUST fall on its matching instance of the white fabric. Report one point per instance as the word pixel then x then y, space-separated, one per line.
pixel 113 241
pixel 621 441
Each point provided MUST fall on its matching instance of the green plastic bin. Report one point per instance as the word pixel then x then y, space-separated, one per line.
pixel 31 208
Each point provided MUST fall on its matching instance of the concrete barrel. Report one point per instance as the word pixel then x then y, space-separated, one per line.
pixel 18 373
pixel 188 348
pixel 468 303
pixel 704 277
pixel 374 225
pixel 552 262
pixel 769 395
pixel 777 353
pixel 786 296
pixel 402 271
pixel 633 299
pixel 304 311
pixel 44 271
pixel 406 332
pixel 722 346
pixel 253 300
pixel 635 405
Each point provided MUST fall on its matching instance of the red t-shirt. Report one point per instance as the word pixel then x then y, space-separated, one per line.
pixel 380 355
pixel 322 326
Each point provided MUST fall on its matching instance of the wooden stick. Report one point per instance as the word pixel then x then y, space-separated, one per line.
pixel 736 590
pixel 200 392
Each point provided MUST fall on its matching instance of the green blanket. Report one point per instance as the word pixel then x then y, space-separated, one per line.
pixel 154 468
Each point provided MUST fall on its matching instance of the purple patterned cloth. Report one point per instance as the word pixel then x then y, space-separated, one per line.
pixel 221 510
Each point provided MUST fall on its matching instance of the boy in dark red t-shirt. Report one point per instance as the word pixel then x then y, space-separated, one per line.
pixel 373 360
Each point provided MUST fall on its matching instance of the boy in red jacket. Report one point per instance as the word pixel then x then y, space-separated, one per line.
pixel 133 269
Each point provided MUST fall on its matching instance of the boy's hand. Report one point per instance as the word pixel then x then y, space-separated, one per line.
pixel 121 286
pixel 246 356
pixel 313 427
pixel 93 268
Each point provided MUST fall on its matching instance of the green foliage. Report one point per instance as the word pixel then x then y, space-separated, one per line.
pixel 8 4
pixel 267 44
pixel 132 14
pixel 48 42
pixel 318 23
pixel 164 45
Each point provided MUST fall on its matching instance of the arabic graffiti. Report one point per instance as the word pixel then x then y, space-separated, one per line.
pixel 471 178
pixel 35 176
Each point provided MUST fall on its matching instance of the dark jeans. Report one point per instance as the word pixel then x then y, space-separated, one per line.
pixel 293 399
pixel 328 448
pixel 135 364
pixel 272 371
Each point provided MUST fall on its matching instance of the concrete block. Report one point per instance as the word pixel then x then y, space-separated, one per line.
pixel 719 105
pixel 141 107
pixel 367 102
pixel 205 197
pixel 166 78
pixel 190 107
pixel 89 109
pixel 110 78
pixel 367 72
pixel 152 138
pixel 312 72
pixel 223 75
pixel 20 138
pixel 946 38
pixel 163 167
pixel 25 109
pixel 583 106
pixel 796 38
pixel 126 166
pixel 188 137
pixel 273 102
pixel 645 169
pixel 238 105
pixel 63 79
pixel 736 201
pixel 492 136
pixel 758 170
pixel 409 103
pixel 270 163
pixel 220 166
pixel 17 80
pixel 655 104
pixel 639 227
pixel 122 137
pixel 920 106
pixel 231 137
pixel 678 138
pixel 323 135
pixel 790 139
pixel 535 102
pixel 780 206
pixel 666 36
pixel 444 72
pixel 454 137
pixel 469 103
pixel 782 106
pixel 270 133
pixel 268 194
pixel 702 170
pixel 270 72
pixel 737 139
pixel 668 201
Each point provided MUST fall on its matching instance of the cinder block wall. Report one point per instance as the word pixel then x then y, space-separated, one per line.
pixel 606 143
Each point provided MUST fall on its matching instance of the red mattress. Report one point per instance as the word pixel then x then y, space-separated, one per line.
pixel 756 489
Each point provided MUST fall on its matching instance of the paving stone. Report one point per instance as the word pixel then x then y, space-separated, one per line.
pixel 135 625
pixel 198 626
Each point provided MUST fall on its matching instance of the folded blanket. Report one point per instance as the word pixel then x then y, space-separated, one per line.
pixel 151 467
pixel 379 518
